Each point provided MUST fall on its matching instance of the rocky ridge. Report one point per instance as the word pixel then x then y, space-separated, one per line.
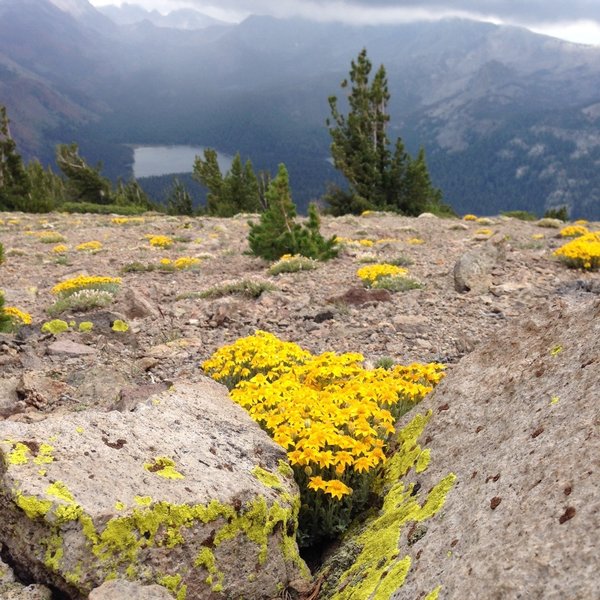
pixel 478 279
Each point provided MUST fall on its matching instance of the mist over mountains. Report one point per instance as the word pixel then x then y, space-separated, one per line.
pixel 509 119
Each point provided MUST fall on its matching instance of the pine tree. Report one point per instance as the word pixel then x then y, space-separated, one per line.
pixel 14 183
pixel 237 192
pixel 47 189
pixel 208 173
pixel 360 149
pixel 179 201
pixel 84 183
pixel 131 194
pixel 277 233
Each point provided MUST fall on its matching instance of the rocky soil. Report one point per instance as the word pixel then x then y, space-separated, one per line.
pixel 478 279
pixel 170 335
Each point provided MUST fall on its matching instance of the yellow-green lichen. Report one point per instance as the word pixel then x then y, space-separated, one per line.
pixel 163 467
pixel 206 559
pixel 378 570
pixel 433 595
pixel 59 490
pixel 173 584
pixel 266 478
pixel 120 505
pixel 32 506
pixel 285 469
pixel 19 455
pixel 142 500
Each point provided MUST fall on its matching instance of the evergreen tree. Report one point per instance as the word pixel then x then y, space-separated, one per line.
pixel 277 233
pixel 14 183
pixel 179 201
pixel 237 192
pixel 378 178
pixel 131 194
pixel 47 189
pixel 84 183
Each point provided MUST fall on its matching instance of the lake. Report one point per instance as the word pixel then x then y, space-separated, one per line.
pixel 162 160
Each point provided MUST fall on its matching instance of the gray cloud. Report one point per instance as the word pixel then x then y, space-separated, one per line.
pixel 525 12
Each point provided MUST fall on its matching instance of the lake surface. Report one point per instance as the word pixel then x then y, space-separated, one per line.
pixel 162 160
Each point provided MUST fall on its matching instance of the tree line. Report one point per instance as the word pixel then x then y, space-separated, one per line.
pixel 379 176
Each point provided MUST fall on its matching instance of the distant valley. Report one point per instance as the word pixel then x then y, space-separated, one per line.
pixel 509 119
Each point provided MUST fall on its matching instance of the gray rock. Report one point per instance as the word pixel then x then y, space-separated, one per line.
pixel 118 589
pixel 472 271
pixel 185 491
pixel 69 348
pixel 136 305
pixel 16 591
pixel 9 401
pixel 131 395
pixel 515 424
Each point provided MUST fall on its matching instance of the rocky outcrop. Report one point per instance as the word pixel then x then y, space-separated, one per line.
pixel 505 451
pixel 473 270
pixel 185 491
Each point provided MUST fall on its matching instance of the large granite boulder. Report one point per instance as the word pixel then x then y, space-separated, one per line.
pixel 186 491
pixel 493 492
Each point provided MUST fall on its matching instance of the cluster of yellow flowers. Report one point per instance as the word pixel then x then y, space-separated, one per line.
pixel 484 231
pixel 50 237
pixel 371 273
pixel 470 217
pixel 60 249
pixel 263 353
pixel 582 253
pixel 573 231
pixel 331 414
pixel 127 220
pixel 18 314
pixel 89 246
pixel 182 263
pixel 160 241
pixel 85 282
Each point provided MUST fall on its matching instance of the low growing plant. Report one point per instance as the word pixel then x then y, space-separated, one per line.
pixel 83 293
pixel 331 414
pixel 245 287
pixel 582 252
pixel 292 264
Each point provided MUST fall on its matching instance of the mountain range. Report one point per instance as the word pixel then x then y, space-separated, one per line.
pixel 509 119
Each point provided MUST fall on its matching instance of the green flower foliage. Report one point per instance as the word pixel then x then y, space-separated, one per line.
pixel 278 233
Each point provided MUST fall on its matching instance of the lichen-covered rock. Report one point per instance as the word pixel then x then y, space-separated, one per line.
pixel 118 589
pixel 472 271
pixel 185 491
pixel 516 423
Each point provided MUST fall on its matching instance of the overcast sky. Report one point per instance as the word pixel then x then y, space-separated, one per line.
pixel 575 20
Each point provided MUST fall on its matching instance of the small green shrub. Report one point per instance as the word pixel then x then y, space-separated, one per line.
pixel 522 215
pixel 1 254
pixel 561 213
pixel 277 233
pixel 6 324
pixel 396 284
pixel 385 362
pixel 292 264
pixel 81 301
pixel 245 287
pixel 401 261
pixel 101 209
pixel 55 327
pixel 137 267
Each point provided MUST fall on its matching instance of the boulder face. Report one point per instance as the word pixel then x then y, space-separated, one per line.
pixel 473 270
pixel 186 491
pixel 516 424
